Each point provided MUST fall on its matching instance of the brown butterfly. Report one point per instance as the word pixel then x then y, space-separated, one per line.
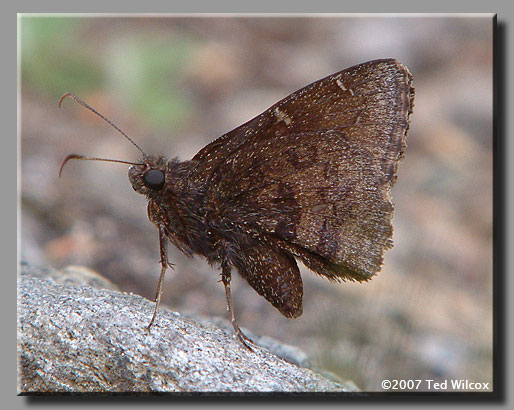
pixel 309 179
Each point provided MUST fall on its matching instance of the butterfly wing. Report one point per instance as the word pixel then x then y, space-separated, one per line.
pixel 274 274
pixel 312 174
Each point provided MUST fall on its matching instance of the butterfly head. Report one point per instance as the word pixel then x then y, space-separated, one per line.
pixel 149 176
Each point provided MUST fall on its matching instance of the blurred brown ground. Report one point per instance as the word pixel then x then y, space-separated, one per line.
pixel 175 84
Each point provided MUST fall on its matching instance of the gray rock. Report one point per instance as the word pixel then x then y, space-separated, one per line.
pixel 71 275
pixel 73 337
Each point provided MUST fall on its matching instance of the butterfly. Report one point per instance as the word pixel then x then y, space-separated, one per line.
pixel 307 180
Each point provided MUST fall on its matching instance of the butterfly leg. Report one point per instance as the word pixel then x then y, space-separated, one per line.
pixel 225 278
pixel 164 265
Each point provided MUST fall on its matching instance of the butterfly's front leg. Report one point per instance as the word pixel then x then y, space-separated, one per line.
pixel 164 265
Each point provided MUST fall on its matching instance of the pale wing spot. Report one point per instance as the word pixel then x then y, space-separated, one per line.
pixel 281 116
pixel 319 208
pixel 340 84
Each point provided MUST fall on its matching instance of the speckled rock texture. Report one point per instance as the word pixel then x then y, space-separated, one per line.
pixel 75 337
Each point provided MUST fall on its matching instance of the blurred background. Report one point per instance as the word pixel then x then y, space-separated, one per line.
pixel 175 84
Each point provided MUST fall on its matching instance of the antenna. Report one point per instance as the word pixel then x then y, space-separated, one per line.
pixel 83 157
pixel 77 99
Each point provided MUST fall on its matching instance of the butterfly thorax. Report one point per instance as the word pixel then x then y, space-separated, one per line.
pixel 179 205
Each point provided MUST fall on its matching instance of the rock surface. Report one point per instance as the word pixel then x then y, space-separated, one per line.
pixel 73 337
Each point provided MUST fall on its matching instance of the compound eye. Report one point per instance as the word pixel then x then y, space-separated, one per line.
pixel 154 179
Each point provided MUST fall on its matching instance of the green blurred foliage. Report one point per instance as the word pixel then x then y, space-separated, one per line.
pixel 143 67
pixel 147 71
pixel 50 60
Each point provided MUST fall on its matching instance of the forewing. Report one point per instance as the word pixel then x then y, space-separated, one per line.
pixel 315 170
